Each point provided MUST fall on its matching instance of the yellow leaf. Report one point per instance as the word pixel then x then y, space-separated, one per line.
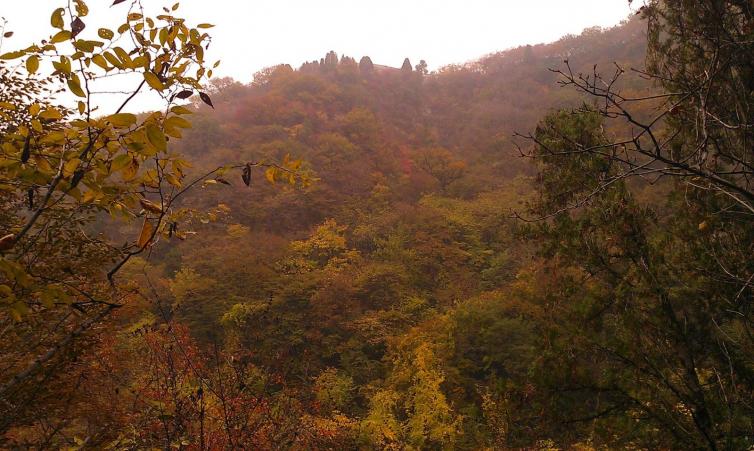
pixel 269 174
pixel 130 171
pixel 150 206
pixel 104 33
pixel 75 86
pixel 122 119
pixel 51 113
pixel 61 36
pixel 146 234
pixel 100 61
pixel 12 55
pixel 153 81
pixel 124 58
pixel 57 18
pixel 32 64
pixel 70 166
pixel 34 109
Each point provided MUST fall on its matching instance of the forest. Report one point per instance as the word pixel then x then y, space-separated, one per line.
pixel 551 247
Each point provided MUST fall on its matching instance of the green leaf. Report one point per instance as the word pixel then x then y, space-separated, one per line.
pixel 120 162
pixel 156 137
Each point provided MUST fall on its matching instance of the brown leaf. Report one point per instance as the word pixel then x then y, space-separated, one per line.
pixel 117 1
pixel 185 94
pixel 7 242
pixel 26 153
pixel 205 98
pixel 77 26
pixel 246 176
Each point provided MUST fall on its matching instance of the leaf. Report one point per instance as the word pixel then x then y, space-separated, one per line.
pixel 57 18
pixel 150 206
pixel 81 8
pixel 156 137
pixel 146 234
pixel 117 2
pixel 105 33
pixel 51 114
pixel 205 98
pixel 246 175
pixel 100 61
pixel 12 55
pixel 176 121
pixel 77 26
pixel 153 81
pixel 32 64
pixel 269 174
pixel 120 162
pixel 75 86
pixel 181 110
pixel 131 170
pixel 185 94
pixel 204 25
pixel 8 34
pixel 61 36
pixel 123 56
pixel 70 166
pixel 122 119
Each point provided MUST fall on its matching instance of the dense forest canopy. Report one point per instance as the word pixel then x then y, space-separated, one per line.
pixel 547 248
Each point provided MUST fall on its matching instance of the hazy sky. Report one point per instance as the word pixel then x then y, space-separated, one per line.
pixel 253 34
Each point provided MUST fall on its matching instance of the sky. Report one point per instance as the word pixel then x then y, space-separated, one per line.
pixel 253 34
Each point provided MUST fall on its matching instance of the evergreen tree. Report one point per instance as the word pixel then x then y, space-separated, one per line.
pixel 366 65
pixel 407 66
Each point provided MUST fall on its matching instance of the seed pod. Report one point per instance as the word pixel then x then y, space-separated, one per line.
pixel 246 176
pixel 26 153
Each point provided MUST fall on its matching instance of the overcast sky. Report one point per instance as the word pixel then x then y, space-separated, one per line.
pixel 253 34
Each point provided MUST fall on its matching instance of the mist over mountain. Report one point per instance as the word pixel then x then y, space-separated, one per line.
pixel 547 248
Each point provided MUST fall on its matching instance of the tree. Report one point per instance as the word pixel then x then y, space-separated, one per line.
pixel 422 68
pixel 63 164
pixel 331 59
pixel 406 67
pixel 664 314
pixel 365 65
